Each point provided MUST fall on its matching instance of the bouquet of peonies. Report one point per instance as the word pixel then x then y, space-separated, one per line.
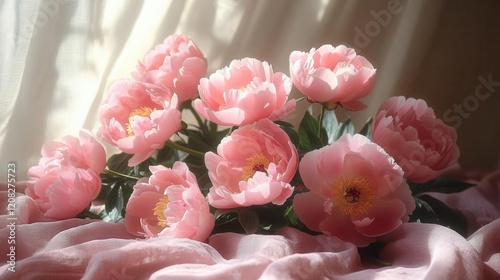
pixel 240 167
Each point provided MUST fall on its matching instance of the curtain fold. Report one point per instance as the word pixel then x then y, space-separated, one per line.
pixel 58 57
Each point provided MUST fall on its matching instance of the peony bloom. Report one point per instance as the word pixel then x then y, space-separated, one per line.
pixel 169 204
pixel 254 166
pixel 177 64
pixel 333 76
pixel 357 191
pixel 138 118
pixel 421 144
pixel 67 178
pixel 243 93
pixel 84 153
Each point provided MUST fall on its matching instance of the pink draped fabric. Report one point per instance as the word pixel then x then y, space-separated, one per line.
pixel 89 249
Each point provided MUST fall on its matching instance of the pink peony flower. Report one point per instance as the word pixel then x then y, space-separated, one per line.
pixel 421 144
pixel 178 64
pixel 84 153
pixel 169 204
pixel 243 93
pixel 333 76
pixel 254 166
pixel 138 118
pixel 67 178
pixel 357 191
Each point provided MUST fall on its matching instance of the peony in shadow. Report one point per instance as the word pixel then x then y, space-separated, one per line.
pixel 421 144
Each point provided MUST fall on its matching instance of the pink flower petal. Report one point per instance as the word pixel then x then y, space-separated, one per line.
pixel 254 166
pixel 359 187
pixel 169 204
pixel 310 210
pixel 419 142
pixel 242 93
pixel 333 76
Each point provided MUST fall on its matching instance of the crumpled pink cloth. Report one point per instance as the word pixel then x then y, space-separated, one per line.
pixel 89 249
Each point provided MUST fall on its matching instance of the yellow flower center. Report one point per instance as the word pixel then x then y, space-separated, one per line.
pixel 256 163
pixel 143 112
pixel 160 207
pixel 353 195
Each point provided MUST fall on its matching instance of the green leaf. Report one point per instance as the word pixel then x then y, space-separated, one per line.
pixel 112 217
pixel 213 127
pixel 226 218
pixel 270 218
pixel 111 197
pixel 309 123
pixel 423 213
pixel 194 134
pixel 180 155
pixel 283 123
pixel 248 220
pixel 127 190
pixel 217 137
pixel 204 183
pixel 308 128
pixel 117 199
pixel 228 222
pixel 107 179
pixel 291 216
pixel 304 142
pixel 142 169
pixel 308 141
pixel 119 162
pixel 87 214
pixel 196 141
pixel 184 128
pixel 314 140
pixel 217 134
pixel 371 254
pixel 445 215
pixel 439 185
pixel 292 134
pixel 164 155
pixel 346 127
pixel 119 204
pixel 330 124
pixel 366 130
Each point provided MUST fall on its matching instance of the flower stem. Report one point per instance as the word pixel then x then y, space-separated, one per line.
pixel 320 120
pixel 192 152
pixel 300 99
pixel 200 122
pixel 109 171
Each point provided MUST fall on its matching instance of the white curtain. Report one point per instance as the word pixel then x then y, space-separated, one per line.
pixel 58 57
